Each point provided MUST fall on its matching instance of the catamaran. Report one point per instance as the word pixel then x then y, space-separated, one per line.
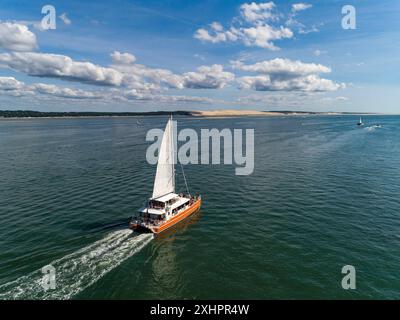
pixel 165 208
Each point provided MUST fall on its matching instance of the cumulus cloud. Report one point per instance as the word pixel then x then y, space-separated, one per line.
pixel 208 77
pixel 285 75
pixel 122 58
pixel 307 83
pixel 16 37
pixel 255 36
pixel 217 34
pixel 10 83
pixel 123 72
pixel 253 28
pixel 59 66
pixel 53 90
pixel 253 12
pixel 14 87
pixel 140 77
pixel 281 68
pixel 134 95
pixel 137 76
pixel 65 19
pixel 263 35
pixel 300 6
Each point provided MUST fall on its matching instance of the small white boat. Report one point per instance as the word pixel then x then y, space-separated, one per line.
pixel 360 123
pixel 165 208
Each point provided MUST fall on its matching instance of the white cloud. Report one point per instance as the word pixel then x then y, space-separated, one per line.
pixel 9 86
pixel 308 83
pixel 14 87
pixel 263 35
pixel 282 68
pixel 65 19
pixel 122 58
pixel 314 28
pixel 253 28
pixel 135 75
pixel 208 77
pixel 16 37
pixel 124 72
pixel 285 75
pixel 138 76
pixel 217 34
pixel 10 83
pixel 297 25
pixel 216 26
pixel 53 90
pixel 301 6
pixel 253 12
pixel 59 66
pixel 134 95
pixel 255 36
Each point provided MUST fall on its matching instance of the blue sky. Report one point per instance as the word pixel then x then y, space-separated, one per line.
pixel 165 55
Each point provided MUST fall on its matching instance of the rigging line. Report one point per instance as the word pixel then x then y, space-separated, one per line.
pixel 184 178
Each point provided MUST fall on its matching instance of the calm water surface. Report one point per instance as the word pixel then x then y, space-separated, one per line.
pixel 323 194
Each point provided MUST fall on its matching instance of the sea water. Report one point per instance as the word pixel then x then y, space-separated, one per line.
pixel 324 194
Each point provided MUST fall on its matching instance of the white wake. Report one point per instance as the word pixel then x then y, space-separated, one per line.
pixel 78 270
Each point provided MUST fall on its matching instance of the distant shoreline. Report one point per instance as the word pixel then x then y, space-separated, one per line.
pixel 29 114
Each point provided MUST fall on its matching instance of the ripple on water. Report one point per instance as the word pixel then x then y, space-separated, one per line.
pixel 323 194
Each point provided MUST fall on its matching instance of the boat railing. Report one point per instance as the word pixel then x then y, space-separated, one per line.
pixel 151 222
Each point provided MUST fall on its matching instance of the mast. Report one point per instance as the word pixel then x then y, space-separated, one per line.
pixel 173 152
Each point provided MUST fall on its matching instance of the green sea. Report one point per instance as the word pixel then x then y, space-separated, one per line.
pixel 324 193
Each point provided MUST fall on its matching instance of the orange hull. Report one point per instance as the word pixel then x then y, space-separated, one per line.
pixel 178 218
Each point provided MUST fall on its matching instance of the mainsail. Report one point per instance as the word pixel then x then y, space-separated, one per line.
pixel 164 182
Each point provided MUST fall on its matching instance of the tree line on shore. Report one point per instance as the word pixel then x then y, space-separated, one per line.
pixel 42 114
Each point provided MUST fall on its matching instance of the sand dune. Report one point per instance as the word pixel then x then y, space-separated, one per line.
pixel 233 113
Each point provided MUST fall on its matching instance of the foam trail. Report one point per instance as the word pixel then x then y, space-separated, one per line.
pixel 79 270
pixel 371 128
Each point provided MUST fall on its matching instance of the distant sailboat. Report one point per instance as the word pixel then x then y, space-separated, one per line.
pixel 165 208
pixel 360 123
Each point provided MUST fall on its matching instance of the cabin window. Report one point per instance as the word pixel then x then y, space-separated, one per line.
pixel 156 204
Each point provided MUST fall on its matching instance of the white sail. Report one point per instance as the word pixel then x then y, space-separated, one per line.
pixel 164 182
